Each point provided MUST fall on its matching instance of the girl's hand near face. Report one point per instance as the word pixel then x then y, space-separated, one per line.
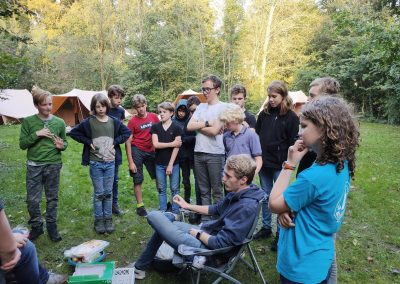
pixel 296 152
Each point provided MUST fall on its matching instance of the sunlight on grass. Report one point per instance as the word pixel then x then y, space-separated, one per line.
pixel 368 245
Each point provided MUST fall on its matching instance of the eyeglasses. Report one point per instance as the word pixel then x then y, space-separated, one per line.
pixel 207 90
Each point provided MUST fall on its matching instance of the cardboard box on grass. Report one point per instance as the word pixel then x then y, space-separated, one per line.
pixel 93 273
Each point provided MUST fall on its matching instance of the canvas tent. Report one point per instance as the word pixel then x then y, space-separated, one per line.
pixel 187 94
pixel 73 106
pixel 15 105
pixel 298 100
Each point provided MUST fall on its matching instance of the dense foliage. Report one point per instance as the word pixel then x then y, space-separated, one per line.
pixel 359 44
pixel 160 48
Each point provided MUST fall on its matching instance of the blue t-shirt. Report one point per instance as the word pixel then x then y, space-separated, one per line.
pixel 118 113
pixel 318 197
pixel 246 142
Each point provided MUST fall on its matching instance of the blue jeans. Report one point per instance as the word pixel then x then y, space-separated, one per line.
pixel 161 177
pixel 174 233
pixel 102 175
pixel 28 269
pixel 267 178
pixel 115 186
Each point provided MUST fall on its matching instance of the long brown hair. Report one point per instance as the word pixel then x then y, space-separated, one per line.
pixel 278 87
pixel 340 135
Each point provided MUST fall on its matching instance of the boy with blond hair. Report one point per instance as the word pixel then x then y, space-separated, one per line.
pixel 239 139
pixel 43 135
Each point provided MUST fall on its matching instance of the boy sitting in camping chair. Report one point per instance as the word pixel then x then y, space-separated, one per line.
pixel 234 216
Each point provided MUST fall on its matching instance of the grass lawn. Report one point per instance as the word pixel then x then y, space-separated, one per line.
pixel 368 245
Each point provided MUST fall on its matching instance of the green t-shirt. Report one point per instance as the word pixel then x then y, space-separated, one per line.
pixel 42 150
pixel 103 140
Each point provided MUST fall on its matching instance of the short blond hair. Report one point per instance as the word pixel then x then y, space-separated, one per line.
pixel 242 165
pixel 232 113
pixel 39 95
pixel 167 106
pixel 138 100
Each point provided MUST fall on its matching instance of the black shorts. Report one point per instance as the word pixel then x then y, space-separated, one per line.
pixel 139 158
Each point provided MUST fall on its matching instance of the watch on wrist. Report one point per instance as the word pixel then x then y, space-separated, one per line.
pixel 198 235
pixel 287 166
pixel 207 124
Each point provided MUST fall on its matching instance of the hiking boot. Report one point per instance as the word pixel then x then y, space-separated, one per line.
pixel 35 233
pixel 99 225
pixel 263 233
pixel 55 278
pixel 141 211
pixel 109 225
pixel 274 244
pixel 139 274
pixel 116 210
pixel 52 232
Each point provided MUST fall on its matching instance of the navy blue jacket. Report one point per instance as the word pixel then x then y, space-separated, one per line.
pixel 236 213
pixel 83 134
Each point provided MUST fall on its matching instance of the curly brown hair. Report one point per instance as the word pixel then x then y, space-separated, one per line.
pixel 340 134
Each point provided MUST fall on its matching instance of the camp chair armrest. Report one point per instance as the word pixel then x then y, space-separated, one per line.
pixel 192 251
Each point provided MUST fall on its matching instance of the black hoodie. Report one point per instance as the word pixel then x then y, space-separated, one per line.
pixel 277 133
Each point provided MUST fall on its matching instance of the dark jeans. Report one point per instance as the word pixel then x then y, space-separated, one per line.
pixel 28 269
pixel 45 177
pixel 284 280
pixel 186 164
pixel 267 178
pixel 209 169
pixel 115 186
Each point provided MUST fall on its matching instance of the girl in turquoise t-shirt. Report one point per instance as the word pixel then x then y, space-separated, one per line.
pixel 317 199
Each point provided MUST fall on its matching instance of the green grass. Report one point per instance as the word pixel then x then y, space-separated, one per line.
pixel 368 245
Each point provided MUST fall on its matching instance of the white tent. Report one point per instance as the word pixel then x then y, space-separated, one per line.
pixel 15 105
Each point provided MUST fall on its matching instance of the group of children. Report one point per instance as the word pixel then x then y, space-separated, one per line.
pixel 192 135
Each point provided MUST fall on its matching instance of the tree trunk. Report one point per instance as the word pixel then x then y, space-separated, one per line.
pixel 265 48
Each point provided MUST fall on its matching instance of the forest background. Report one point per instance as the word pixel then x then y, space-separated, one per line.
pixel 160 48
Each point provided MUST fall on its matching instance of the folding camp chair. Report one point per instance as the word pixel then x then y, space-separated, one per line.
pixel 233 254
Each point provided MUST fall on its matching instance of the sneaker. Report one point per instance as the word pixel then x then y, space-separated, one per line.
pixel 108 224
pixel 198 261
pixel 274 244
pixel 35 233
pixel 263 233
pixel 55 278
pixel 116 210
pixel 141 211
pixel 139 274
pixel 99 226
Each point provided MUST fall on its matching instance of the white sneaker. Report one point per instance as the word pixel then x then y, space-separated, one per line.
pixel 198 261
pixel 139 274
pixel 55 278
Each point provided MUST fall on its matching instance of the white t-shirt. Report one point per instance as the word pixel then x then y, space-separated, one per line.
pixel 204 143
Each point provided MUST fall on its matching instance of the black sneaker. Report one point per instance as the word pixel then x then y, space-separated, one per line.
pixel 35 233
pixel 274 244
pixel 141 211
pixel 263 233
pixel 116 210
